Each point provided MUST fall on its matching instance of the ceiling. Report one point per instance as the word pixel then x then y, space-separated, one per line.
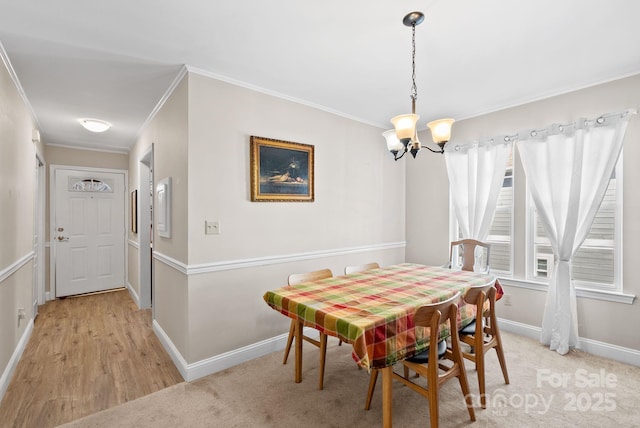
pixel 115 60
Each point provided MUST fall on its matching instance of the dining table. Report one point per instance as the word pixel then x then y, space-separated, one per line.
pixel 373 311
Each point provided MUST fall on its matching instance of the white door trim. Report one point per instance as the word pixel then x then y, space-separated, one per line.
pixel 39 231
pixel 145 174
pixel 52 210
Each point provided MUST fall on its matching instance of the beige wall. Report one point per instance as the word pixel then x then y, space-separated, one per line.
pixel 427 196
pixel 67 156
pixel 17 179
pixel 355 183
pixel 168 134
pixel 201 140
pixel 359 201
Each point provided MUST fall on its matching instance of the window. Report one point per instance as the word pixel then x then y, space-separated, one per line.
pixel 89 185
pixel 596 266
pixel 501 231
pixel 597 263
pixel 502 226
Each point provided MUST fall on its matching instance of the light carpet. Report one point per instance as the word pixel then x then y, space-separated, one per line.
pixel 546 390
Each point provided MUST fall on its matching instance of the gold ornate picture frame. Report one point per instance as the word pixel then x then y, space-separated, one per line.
pixel 281 171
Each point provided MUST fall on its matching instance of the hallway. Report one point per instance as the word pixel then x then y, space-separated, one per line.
pixel 86 354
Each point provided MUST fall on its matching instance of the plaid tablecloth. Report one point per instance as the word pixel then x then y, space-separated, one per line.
pixel 373 310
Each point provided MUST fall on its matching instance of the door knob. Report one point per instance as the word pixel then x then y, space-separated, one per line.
pixel 63 238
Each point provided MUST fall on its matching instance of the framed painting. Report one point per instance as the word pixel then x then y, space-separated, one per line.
pixel 134 211
pixel 281 171
pixel 163 211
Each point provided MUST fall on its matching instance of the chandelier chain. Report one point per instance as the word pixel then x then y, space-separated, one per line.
pixel 414 88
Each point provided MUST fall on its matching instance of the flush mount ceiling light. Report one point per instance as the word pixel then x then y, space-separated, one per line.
pixel 404 137
pixel 95 125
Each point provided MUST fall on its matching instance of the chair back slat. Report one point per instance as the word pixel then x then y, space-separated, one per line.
pixel 465 249
pixel 472 294
pixel 297 278
pixel 360 268
pixel 424 314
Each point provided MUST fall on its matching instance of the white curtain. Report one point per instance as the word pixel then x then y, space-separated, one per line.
pixel 476 173
pixel 568 168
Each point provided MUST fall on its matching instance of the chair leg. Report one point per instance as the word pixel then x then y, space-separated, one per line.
pixel 496 334
pixel 372 386
pixel 406 373
pixel 458 360
pixel 289 341
pixel 481 381
pixel 503 363
pixel 464 385
pixel 433 404
pixel 323 355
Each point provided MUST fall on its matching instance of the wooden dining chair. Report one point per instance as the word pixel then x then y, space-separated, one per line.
pixel 429 364
pixel 295 279
pixel 360 268
pixel 469 254
pixel 483 334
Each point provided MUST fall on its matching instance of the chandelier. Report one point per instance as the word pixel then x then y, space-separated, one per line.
pixel 404 137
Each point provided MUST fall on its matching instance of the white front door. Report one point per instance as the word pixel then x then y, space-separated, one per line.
pixel 89 231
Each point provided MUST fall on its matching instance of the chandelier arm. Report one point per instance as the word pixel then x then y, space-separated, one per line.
pixel 396 157
pixel 431 150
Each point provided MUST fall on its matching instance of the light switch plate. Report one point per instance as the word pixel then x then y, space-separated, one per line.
pixel 212 227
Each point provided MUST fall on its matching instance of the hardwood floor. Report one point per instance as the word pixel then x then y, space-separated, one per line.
pixel 85 354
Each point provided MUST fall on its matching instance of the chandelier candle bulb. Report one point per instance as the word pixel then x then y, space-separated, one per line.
pixel 405 125
pixel 440 130
pixel 393 144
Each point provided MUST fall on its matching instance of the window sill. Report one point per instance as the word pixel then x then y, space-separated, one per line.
pixel 608 296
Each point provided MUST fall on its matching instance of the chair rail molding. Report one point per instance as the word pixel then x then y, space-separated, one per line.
pixel 268 260
pixel 15 266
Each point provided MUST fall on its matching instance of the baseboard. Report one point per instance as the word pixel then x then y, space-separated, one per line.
pixel 223 361
pixel 525 330
pixel 614 352
pixel 15 358
pixel 134 295
pixel 237 356
pixel 174 354
pixel 601 349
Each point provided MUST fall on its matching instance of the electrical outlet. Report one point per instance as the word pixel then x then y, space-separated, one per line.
pixel 21 315
pixel 507 299
pixel 212 227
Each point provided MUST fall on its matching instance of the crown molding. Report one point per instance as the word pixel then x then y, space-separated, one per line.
pixel 16 82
